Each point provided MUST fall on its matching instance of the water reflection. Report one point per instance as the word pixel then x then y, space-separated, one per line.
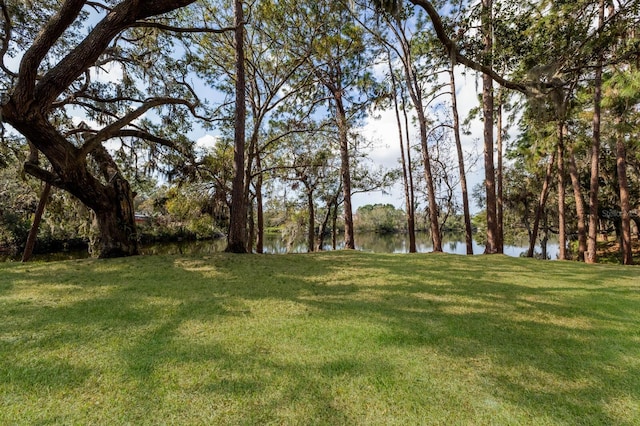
pixel 453 243
pixel 370 242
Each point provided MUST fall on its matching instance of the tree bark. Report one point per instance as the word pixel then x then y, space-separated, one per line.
pixel 251 225
pixel 625 213
pixel 487 110
pixel 562 229
pixel 412 192
pixel 545 236
pixel 345 172
pixel 591 255
pixel 468 234
pixel 33 96
pixel 334 225
pixel 580 208
pixel 37 217
pixel 237 237
pixel 116 232
pixel 311 230
pixel 323 228
pixel 259 207
pixel 499 186
pixel 541 203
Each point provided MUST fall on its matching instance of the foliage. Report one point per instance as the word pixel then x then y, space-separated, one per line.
pixel 380 218
pixel 313 74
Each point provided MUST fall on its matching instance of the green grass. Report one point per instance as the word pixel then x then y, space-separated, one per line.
pixel 332 338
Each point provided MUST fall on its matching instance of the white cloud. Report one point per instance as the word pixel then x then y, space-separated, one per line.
pixel 109 73
pixel 207 141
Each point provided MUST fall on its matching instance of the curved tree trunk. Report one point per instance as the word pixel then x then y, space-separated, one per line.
pixel 111 200
pixel 32 99
pixel 116 231
pixel 426 161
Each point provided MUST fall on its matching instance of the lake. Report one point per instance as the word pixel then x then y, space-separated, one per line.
pixel 370 242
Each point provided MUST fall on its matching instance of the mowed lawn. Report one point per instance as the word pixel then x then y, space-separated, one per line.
pixel 336 338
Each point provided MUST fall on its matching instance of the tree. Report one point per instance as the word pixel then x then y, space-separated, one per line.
pixel 621 96
pixel 310 166
pixel 339 61
pixel 591 255
pixel 405 156
pixel 237 237
pixel 416 92
pixel 486 15
pixel 461 167
pixel 56 75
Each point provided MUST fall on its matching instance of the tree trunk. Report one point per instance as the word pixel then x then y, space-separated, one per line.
pixel 237 237
pixel 468 235
pixel 541 203
pixel 580 209
pixel 32 99
pixel 37 217
pixel 411 227
pixel 251 225
pixel 323 228
pixel 345 172
pixel 248 199
pixel 334 225
pixel 259 208
pixel 431 193
pixel 545 236
pixel 412 192
pixel 115 224
pixel 499 190
pixel 311 231
pixel 591 255
pixel 625 214
pixel 487 109
pixel 562 229
pixel 416 98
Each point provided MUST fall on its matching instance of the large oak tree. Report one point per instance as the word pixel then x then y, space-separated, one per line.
pixel 59 56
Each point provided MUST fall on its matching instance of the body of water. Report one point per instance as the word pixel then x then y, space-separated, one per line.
pixel 370 242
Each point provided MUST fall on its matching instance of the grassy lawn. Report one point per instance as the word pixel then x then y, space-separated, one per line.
pixel 332 338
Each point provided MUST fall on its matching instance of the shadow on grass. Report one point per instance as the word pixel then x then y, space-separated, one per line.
pixel 560 344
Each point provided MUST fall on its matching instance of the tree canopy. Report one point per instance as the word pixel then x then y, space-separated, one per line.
pixel 102 100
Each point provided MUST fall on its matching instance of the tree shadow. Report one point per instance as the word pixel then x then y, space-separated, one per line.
pixel 558 345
